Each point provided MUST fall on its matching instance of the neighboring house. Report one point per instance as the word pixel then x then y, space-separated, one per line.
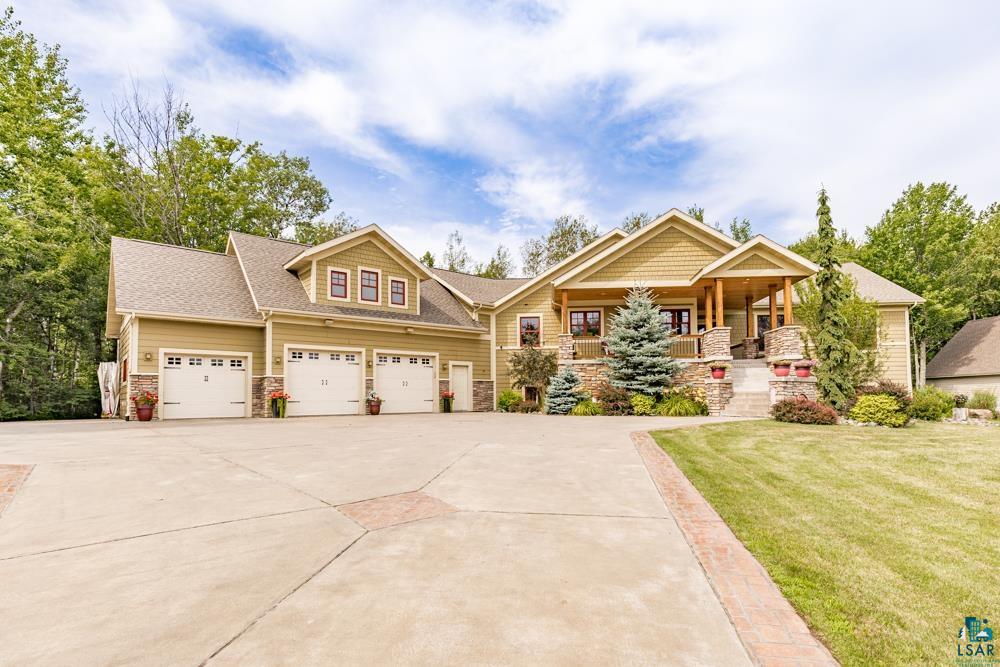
pixel 894 304
pixel 970 360
pixel 215 333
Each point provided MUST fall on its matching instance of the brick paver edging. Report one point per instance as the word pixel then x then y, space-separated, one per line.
pixel 11 479
pixel 770 629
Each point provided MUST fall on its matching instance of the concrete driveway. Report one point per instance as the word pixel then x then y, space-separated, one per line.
pixel 458 539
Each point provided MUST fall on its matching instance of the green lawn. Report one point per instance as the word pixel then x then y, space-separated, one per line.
pixel 884 540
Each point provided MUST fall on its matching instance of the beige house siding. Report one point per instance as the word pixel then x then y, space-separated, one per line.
pixel 173 334
pixel 450 348
pixel 670 255
pixel 737 322
pixel 370 256
pixel 534 302
pixel 968 385
pixel 755 263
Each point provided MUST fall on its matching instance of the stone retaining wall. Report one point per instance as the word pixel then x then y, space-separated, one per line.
pixel 791 387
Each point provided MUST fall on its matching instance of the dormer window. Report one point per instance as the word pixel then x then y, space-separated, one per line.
pixel 369 286
pixel 397 292
pixel 338 284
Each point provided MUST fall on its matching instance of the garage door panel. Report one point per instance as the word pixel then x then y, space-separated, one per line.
pixel 322 382
pixel 405 382
pixel 198 386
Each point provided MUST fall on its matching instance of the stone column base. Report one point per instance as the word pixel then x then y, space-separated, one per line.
pixel 138 383
pixel 717 394
pixel 566 347
pixel 482 396
pixel 261 388
pixel 791 387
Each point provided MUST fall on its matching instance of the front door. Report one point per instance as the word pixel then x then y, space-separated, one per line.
pixel 460 384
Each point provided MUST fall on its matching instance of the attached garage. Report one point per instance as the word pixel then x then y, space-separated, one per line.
pixel 201 385
pixel 406 381
pixel 323 381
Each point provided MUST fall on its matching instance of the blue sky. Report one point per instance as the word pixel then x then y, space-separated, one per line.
pixel 494 118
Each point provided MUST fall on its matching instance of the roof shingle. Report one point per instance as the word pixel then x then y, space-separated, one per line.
pixel 483 290
pixel 974 350
pixel 870 285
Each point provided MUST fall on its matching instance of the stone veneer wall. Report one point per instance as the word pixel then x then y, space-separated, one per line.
pixel 715 344
pixel 717 394
pixel 783 343
pixel 592 373
pixel 792 386
pixel 260 388
pixel 482 396
pixel 750 350
pixel 138 383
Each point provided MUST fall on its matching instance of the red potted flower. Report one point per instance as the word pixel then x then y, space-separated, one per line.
pixel 782 368
pixel 446 399
pixel 803 367
pixel 279 403
pixel 719 369
pixel 374 403
pixel 145 401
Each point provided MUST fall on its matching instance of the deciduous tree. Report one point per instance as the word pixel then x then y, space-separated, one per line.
pixel 568 235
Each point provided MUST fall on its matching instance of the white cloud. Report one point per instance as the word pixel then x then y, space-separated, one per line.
pixel 771 98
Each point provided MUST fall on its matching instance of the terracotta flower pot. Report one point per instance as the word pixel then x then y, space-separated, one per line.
pixel 374 407
pixel 803 372
pixel 782 370
pixel 718 373
pixel 144 413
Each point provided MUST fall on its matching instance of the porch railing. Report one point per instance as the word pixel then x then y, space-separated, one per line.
pixel 687 346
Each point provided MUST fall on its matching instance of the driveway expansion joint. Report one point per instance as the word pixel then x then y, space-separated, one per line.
pixel 766 623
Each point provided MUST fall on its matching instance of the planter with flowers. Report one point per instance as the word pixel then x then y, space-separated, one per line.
pixel 145 401
pixel 803 367
pixel 279 403
pixel 719 369
pixel 374 403
pixel 447 397
pixel 782 368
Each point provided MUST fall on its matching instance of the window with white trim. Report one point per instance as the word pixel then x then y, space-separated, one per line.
pixel 236 363
pixel 529 330
pixel 335 357
pixel 194 361
pixel 369 286
pixel 296 355
pixel 425 361
pixel 351 358
pixel 382 359
pixel 173 361
pixel 338 284
pixel 397 292
pixel 218 363
pixel 314 355
pixel 397 360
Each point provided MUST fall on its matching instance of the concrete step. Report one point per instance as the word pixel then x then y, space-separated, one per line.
pixel 748 404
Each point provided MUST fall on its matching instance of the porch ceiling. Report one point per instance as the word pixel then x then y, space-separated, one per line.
pixel 735 291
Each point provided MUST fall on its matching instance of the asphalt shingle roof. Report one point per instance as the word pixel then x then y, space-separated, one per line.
pixel 870 285
pixel 276 288
pixel 154 277
pixel 482 290
pixel 974 350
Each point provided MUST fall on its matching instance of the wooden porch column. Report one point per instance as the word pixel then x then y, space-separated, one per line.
pixel 720 319
pixel 708 308
pixel 772 302
pixel 788 301
pixel 565 311
pixel 750 318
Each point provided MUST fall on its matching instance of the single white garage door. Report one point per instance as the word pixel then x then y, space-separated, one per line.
pixel 405 382
pixel 203 385
pixel 322 382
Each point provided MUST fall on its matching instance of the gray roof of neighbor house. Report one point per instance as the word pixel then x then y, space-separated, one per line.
pixel 974 350
pixel 482 290
pixel 276 288
pixel 870 285
pixel 154 277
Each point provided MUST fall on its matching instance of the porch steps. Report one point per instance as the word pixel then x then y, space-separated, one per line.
pixel 751 393
pixel 748 404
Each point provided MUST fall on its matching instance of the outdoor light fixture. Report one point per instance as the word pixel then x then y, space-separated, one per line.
pixel 409 329
pixel 328 323
pixel 148 356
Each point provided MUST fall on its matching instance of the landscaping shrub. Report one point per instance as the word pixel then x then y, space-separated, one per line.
pixel 880 409
pixel 685 401
pixel 801 410
pixel 528 406
pixel 888 388
pixel 562 396
pixel 586 409
pixel 508 401
pixel 931 404
pixel 613 400
pixel 642 405
pixel 983 399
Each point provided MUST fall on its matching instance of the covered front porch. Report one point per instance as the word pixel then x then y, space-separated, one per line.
pixel 712 319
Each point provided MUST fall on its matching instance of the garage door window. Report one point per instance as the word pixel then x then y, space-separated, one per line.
pixel 426 361
pixel 314 355
pixel 350 358
pixel 296 355
pixel 173 361
pixel 236 363
pixel 218 363
pixel 194 361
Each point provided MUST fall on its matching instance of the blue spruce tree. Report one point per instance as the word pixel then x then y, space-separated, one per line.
pixel 639 345
pixel 562 394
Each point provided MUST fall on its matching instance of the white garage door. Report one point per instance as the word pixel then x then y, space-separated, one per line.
pixel 203 385
pixel 405 382
pixel 322 382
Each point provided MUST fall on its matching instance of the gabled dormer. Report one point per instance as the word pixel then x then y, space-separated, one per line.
pixel 364 269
